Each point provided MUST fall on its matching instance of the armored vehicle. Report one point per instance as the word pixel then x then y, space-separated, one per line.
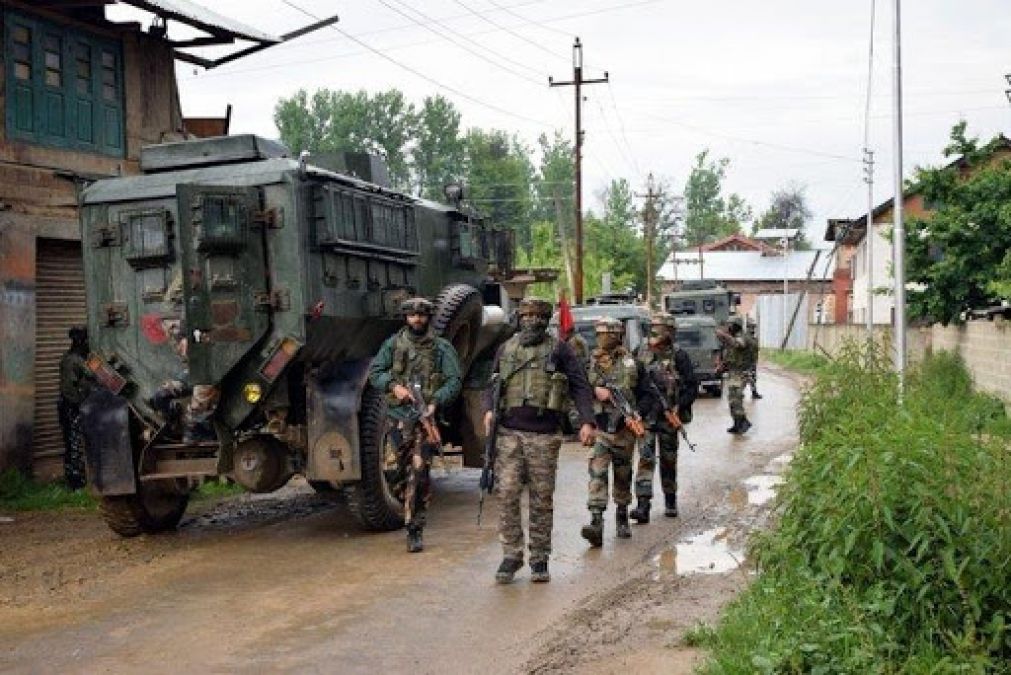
pixel 236 297
pixel 635 318
pixel 700 306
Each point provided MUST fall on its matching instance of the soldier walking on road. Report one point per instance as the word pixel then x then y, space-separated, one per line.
pixel 752 375
pixel 537 375
pixel 735 360
pixel 670 368
pixel 617 379
pixel 421 374
pixel 75 385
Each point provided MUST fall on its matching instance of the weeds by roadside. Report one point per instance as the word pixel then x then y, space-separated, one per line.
pixel 893 549
pixel 802 361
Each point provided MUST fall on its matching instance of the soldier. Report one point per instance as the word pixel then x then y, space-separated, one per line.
pixel 617 378
pixel 670 368
pixel 752 376
pixel 414 367
pixel 75 385
pixel 579 346
pixel 537 376
pixel 735 361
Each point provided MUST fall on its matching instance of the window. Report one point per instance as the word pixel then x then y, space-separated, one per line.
pixel 63 87
pixel 145 234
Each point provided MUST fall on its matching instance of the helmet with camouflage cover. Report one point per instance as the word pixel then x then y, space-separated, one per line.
pixel 735 321
pixel 417 306
pixel 608 324
pixel 534 306
pixel 662 319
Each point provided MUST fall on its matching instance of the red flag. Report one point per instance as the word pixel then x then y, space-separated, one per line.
pixel 565 321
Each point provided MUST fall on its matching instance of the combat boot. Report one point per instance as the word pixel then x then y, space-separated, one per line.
pixel 414 544
pixel 539 572
pixel 507 570
pixel 671 504
pixel 755 394
pixel 594 532
pixel 743 425
pixel 621 528
pixel 640 513
pixel 735 427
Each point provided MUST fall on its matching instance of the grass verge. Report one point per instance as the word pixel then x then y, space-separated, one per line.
pixel 893 549
pixel 798 360
pixel 19 493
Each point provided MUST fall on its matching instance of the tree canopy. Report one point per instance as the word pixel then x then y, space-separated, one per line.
pixel 788 210
pixel 709 214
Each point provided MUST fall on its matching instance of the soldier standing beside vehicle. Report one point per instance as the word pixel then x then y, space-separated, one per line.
pixel 75 385
pixel 670 367
pixel 537 375
pixel 752 375
pixel 622 395
pixel 413 366
pixel 735 361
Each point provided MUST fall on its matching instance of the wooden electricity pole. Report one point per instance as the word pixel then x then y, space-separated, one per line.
pixel 650 215
pixel 578 82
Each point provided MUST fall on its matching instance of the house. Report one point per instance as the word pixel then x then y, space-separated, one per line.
pixel 870 286
pixel 80 94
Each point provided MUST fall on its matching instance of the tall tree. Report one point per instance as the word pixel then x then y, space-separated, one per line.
pixel 499 174
pixel 959 248
pixel 438 156
pixel 788 209
pixel 708 214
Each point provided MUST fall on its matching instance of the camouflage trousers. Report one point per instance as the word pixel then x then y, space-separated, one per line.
pixel 534 456
pixel 614 451
pixel 662 442
pixel 414 461
pixel 735 394
pixel 750 380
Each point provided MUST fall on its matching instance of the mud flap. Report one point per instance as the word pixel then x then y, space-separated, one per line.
pixel 334 397
pixel 105 422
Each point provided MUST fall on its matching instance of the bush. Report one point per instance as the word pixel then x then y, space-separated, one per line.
pixel 893 551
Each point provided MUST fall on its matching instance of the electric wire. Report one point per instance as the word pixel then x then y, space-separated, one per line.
pixel 510 31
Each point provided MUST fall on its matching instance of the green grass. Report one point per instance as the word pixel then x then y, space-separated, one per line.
pixel 798 360
pixel 893 549
pixel 18 493
pixel 217 489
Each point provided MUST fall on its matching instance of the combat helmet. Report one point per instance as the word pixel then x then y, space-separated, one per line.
pixel 534 306
pixel 417 306
pixel 662 319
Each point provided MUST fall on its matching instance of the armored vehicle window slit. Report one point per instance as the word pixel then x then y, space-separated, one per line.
pixel 222 223
pixel 146 237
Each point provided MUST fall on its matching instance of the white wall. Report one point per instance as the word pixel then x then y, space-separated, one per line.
pixel 880 277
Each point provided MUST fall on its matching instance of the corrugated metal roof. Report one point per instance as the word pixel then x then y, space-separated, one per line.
pixel 202 18
pixel 744 266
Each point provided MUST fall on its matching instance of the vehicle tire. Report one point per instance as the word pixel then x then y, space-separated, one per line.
pixel 716 391
pixel 158 506
pixel 372 500
pixel 457 318
pixel 326 489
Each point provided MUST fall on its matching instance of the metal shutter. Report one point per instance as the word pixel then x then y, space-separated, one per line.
pixel 59 304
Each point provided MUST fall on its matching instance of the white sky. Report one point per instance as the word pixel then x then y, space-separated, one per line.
pixel 778 86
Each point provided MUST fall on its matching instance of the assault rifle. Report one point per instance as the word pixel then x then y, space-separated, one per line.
pixel 633 420
pixel 488 470
pixel 427 420
pixel 670 414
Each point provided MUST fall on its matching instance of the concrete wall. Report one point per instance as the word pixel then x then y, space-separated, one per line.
pixel 984 345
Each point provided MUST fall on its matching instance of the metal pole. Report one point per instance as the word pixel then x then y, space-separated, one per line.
pixel 786 283
pixel 577 77
pixel 869 238
pixel 899 243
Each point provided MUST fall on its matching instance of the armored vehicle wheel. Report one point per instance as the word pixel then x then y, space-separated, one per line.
pixel 716 390
pixel 156 507
pixel 458 310
pixel 372 499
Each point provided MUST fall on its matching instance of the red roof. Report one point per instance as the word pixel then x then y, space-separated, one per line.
pixel 737 242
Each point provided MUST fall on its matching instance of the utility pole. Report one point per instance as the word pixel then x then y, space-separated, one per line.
pixel 578 82
pixel 899 233
pixel 650 215
pixel 869 238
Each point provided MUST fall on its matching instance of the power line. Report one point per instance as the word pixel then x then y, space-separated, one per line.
pixel 621 127
pixel 510 31
pixel 419 74
pixel 621 150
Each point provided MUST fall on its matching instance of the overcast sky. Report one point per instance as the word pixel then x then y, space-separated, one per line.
pixel 777 86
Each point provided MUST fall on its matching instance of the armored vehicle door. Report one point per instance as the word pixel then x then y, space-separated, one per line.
pixel 225 283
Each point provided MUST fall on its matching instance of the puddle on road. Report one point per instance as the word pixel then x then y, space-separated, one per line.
pixel 761 488
pixel 705 553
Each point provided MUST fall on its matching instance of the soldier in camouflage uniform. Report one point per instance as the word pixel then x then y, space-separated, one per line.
pixel 75 385
pixel 613 367
pixel 579 346
pixel 670 367
pixel 735 360
pixel 415 356
pixel 537 375
pixel 751 380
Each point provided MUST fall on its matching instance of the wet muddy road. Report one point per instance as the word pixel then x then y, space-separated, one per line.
pixel 290 583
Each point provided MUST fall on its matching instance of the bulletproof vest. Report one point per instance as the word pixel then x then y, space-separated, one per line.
pixel 416 363
pixel 618 367
pixel 530 377
pixel 736 356
pixel 664 363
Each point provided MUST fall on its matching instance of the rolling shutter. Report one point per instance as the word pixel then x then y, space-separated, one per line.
pixel 59 304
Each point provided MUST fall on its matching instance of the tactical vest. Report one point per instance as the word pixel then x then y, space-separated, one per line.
pixel 736 357
pixel 619 367
pixel 412 363
pixel 530 377
pixel 666 363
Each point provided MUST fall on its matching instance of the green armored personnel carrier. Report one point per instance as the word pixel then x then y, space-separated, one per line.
pixel 700 306
pixel 235 299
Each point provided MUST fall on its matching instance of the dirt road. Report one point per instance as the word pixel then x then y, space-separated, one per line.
pixel 288 582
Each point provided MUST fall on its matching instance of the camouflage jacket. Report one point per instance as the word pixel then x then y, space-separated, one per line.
pixel 436 366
